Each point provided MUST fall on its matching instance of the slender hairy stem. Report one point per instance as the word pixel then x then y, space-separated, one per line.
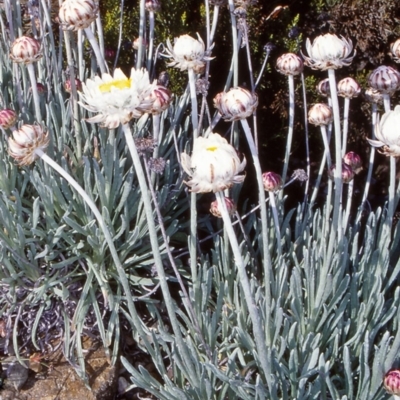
pixel 107 237
pixel 318 181
pixel 306 136
pixel 156 251
pixel 235 56
pixel 267 262
pixel 121 21
pixel 214 23
pixel 386 101
pixel 259 335
pixel 193 196
pixel 74 96
pixel 345 124
pixel 140 54
pixel 186 297
pixel 267 53
pixel 392 188
pixel 371 157
pixel 337 220
pixel 350 189
pixel 290 129
pixel 326 145
pixel 35 93
pixel 95 46
pixel 272 203
pixel 151 42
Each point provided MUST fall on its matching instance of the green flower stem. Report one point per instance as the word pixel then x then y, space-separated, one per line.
pixel 290 129
pixel 214 23
pixel 193 196
pixel 348 204
pixel 392 188
pixel 81 65
pixel 345 124
pixel 250 66
pixel 337 220
pixel 108 238
pixel 319 178
pixel 156 252
pixel 74 96
pixel 386 101
pixel 151 42
pixel 326 145
pixel 306 136
pixel 235 56
pixel 121 26
pixel 35 93
pixel 186 297
pixel 267 262
pixel 272 203
pixel 95 46
pixel 267 53
pixel 258 332
pixel 142 11
pixel 371 157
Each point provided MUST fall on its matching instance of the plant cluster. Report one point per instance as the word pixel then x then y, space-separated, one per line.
pixel 123 203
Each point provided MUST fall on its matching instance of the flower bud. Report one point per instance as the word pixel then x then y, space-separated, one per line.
pixel 323 88
pixel 348 88
pixel 395 50
pixel 347 173
pixel 230 205
pixel 77 14
pixel 153 5
pixel 40 88
pixel 8 118
pixel 237 103
pixel 25 142
pixel 320 114
pixel 289 64
pixel 385 79
pixel 373 96
pixel 391 382
pixel 68 86
pixel 354 161
pixel 161 97
pixel 25 50
pixel 109 53
pixel 272 182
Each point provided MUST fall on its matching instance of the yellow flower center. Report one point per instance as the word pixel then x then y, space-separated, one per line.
pixel 119 84
pixel 212 148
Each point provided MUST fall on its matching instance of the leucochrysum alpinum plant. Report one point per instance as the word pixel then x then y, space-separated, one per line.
pixel 106 179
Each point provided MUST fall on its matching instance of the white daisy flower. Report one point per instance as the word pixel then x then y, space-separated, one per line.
pixel 117 99
pixel 213 166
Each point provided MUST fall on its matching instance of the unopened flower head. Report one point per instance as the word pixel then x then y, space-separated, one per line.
pixel 391 382
pixel 272 182
pixel 77 14
pixel 395 50
pixel 25 50
pixel 354 160
pixel 347 173
pixel 153 5
pixel 289 64
pixel 161 98
pixel 387 133
pixel 348 88
pixel 373 96
pixel 8 118
pixel 187 53
pixel 213 166
pixel 216 211
pixel 323 88
pixel 385 79
pixel 68 85
pixel 117 99
pixel 329 52
pixel 320 114
pixel 25 142
pixel 237 103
